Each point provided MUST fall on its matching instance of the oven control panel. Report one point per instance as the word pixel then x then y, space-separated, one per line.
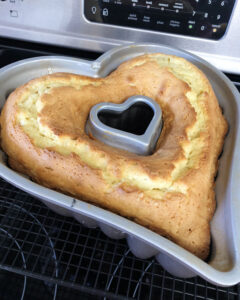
pixel 197 18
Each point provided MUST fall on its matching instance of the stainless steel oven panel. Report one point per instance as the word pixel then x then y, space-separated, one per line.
pixel 63 23
pixel 223 267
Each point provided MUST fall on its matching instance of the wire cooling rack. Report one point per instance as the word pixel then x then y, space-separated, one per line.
pixel 37 244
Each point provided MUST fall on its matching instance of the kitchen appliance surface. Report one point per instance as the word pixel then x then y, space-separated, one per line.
pixel 44 251
pixel 208 28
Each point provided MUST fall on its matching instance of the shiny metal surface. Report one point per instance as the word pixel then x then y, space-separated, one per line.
pixel 137 142
pixel 63 23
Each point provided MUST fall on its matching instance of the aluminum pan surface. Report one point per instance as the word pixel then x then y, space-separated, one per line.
pixel 223 267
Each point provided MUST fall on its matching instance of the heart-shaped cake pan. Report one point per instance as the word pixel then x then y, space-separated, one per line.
pixel 134 125
pixel 223 267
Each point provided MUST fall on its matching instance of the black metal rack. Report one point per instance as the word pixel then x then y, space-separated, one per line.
pixel 45 256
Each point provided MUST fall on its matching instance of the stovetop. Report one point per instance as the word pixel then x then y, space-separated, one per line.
pixel 47 256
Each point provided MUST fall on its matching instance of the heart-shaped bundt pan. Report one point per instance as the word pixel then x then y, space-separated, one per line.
pixel 223 265
pixel 43 134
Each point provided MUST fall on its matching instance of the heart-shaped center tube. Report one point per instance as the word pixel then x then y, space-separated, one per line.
pixel 134 125
pixel 134 120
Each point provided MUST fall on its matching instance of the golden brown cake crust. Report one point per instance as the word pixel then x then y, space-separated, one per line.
pixel 171 191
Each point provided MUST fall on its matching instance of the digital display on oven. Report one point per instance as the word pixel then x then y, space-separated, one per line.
pixel 198 18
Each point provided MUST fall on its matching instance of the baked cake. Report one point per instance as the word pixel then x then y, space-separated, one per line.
pixel 171 191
